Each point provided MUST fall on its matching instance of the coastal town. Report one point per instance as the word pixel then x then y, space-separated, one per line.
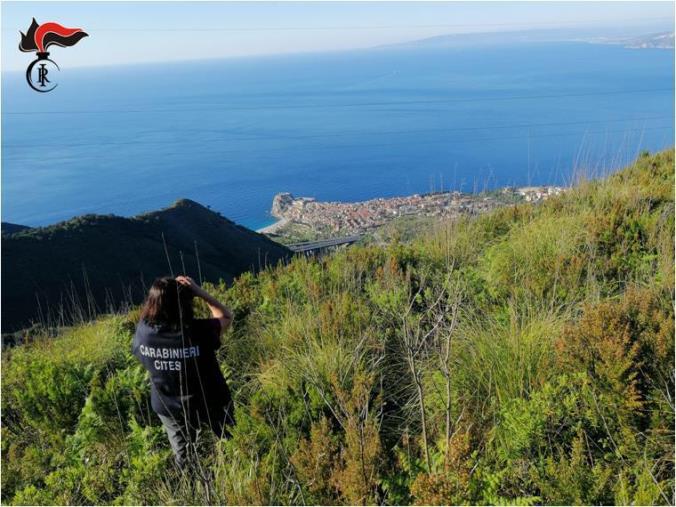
pixel 335 218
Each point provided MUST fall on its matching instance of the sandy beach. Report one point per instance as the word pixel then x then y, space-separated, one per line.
pixel 273 228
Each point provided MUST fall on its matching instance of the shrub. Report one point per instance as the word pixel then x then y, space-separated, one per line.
pixel 534 344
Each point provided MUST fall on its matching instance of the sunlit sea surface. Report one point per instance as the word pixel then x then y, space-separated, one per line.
pixel 341 126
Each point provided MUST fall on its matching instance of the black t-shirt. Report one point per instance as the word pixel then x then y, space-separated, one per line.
pixel 184 372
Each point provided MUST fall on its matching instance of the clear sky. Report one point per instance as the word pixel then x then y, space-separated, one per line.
pixel 135 32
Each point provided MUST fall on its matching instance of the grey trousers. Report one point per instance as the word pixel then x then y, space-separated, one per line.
pixel 183 434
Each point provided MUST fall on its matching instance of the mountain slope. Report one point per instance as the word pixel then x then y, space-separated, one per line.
pixel 522 357
pixel 10 228
pixel 112 259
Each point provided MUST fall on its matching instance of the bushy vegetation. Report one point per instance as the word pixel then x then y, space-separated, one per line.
pixel 522 357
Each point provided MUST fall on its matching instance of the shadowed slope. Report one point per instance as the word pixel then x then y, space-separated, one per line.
pixel 93 262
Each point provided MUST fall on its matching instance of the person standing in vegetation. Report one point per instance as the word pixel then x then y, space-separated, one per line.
pixel 179 351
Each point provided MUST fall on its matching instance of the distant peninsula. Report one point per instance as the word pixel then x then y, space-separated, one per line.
pixel 324 219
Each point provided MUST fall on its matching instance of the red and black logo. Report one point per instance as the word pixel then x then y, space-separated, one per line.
pixel 39 38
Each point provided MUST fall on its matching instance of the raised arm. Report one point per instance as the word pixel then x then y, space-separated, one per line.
pixel 218 310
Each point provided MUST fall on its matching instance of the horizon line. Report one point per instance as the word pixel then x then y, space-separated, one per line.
pixel 385 46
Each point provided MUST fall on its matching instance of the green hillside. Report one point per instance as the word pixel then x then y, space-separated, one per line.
pixel 10 228
pixel 73 270
pixel 522 357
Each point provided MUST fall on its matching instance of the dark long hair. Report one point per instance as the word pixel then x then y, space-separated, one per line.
pixel 168 304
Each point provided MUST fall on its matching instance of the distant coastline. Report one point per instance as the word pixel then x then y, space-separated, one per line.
pixel 392 137
pixel 274 227
pixel 662 40
pixel 331 218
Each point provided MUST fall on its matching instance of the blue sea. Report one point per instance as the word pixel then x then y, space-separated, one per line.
pixel 341 126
